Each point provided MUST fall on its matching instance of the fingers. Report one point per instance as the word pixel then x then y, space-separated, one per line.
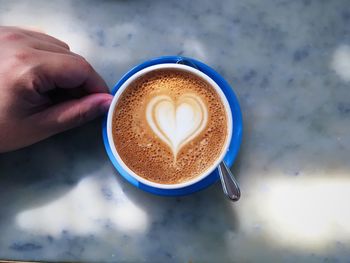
pixel 72 113
pixel 69 71
pixel 45 38
pixel 48 46
pixel 35 34
pixel 85 76
pixel 94 82
pixel 56 64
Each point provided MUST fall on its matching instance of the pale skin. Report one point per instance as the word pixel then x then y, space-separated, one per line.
pixel 45 88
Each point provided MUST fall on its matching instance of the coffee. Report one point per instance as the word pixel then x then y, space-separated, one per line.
pixel 169 126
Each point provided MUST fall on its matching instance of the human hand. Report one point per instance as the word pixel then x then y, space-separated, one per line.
pixel 44 88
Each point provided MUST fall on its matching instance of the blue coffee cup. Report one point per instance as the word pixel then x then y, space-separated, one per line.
pixel 228 155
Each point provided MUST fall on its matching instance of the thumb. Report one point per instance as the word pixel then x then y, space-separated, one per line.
pixel 73 113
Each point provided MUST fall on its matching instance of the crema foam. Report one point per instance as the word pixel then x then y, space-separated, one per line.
pixel 169 126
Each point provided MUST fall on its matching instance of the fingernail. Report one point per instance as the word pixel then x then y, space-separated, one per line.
pixel 105 106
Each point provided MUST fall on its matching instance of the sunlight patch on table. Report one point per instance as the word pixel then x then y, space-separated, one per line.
pixel 341 62
pixel 86 210
pixel 299 212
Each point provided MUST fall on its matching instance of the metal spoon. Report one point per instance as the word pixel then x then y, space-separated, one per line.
pixel 229 183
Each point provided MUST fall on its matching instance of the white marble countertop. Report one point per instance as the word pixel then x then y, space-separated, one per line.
pixel 289 63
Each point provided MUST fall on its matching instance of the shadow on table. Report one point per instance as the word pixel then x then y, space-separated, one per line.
pixel 179 226
pixel 47 170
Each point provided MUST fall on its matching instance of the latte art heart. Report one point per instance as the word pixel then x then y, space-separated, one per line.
pixel 177 122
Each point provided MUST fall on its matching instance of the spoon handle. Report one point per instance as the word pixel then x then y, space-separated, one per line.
pixel 187 62
pixel 229 183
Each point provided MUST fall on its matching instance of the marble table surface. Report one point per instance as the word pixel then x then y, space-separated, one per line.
pixel 289 63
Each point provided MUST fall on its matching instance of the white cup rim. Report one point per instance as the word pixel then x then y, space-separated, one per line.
pixel 194 71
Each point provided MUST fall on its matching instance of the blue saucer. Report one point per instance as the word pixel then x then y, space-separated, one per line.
pixel 236 126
